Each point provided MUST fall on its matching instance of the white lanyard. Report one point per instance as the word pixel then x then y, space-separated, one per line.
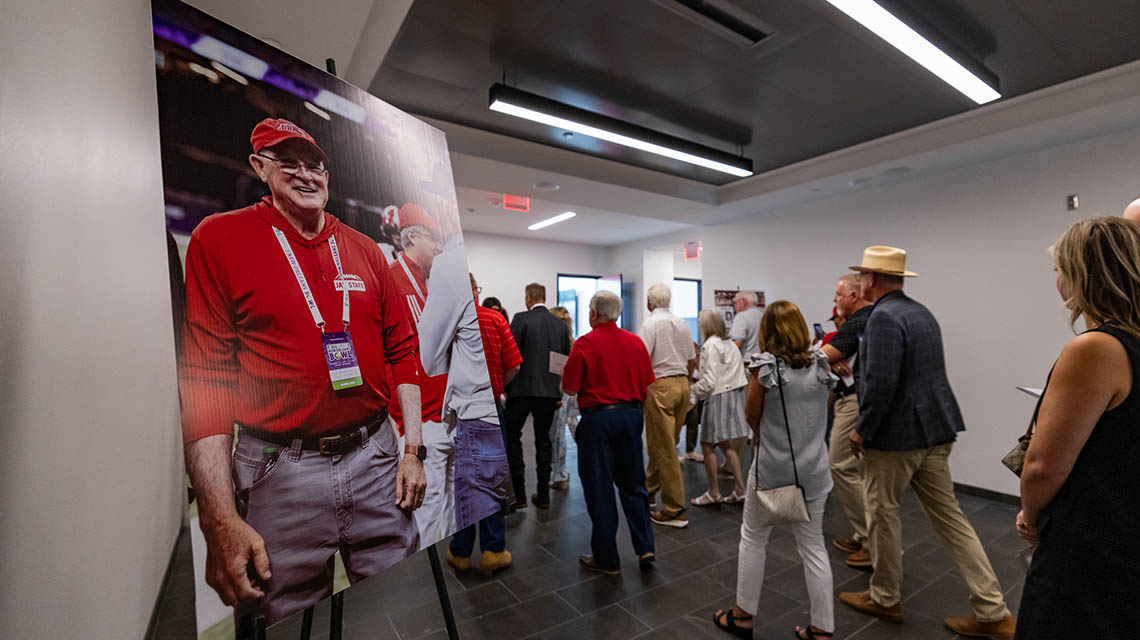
pixel 411 278
pixel 304 284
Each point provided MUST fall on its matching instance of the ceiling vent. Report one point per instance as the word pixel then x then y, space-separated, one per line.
pixel 722 18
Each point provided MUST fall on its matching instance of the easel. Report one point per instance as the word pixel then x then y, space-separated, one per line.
pixel 254 628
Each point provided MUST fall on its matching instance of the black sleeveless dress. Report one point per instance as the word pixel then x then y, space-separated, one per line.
pixel 1084 581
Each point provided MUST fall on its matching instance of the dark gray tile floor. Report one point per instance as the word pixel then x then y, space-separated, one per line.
pixel 546 595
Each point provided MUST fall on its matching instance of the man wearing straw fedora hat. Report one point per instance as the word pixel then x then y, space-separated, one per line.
pixel 908 421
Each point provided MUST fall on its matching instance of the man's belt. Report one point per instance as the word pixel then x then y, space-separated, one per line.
pixel 675 375
pixel 334 443
pixel 606 407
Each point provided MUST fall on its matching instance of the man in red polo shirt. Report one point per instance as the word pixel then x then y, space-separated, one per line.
pixel 419 246
pixel 610 372
pixel 296 334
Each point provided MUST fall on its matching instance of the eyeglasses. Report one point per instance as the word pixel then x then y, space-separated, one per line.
pixel 291 166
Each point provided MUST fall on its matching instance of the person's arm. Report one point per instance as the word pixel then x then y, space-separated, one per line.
pixel 707 380
pixel 510 374
pixel 649 337
pixel 411 481
pixel 832 354
pixel 1089 379
pixel 231 544
pixel 444 312
pixel 882 366
pixel 754 404
pixel 738 332
pixel 574 372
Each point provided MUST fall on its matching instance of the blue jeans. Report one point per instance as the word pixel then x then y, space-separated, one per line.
pixel 480 461
pixel 609 454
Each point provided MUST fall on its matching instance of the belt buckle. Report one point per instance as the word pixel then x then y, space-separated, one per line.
pixel 331 441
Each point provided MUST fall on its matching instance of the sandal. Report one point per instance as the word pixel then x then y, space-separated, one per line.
pixel 704 500
pixel 734 498
pixel 811 634
pixel 729 624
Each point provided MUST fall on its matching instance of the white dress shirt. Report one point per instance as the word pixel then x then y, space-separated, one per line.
pixel 669 343
pixel 450 341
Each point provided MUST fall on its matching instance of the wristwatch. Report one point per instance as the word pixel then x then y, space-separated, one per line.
pixel 419 452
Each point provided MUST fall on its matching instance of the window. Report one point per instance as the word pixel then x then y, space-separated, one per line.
pixel 575 291
pixel 687 303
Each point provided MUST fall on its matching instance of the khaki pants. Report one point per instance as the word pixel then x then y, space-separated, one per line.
pixel 887 475
pixel 665 409
pixel 846 469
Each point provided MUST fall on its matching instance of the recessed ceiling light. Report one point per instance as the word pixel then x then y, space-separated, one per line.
pixel 549 221
pixel 546 186
pixel 885 25
pixel 529 106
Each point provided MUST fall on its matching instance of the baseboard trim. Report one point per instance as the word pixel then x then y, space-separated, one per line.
pixel 150 626
pixel 988 494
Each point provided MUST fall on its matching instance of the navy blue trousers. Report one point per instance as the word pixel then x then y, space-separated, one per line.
pixel 609 454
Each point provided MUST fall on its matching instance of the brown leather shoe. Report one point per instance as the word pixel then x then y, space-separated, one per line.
pixel 1001 630
pixel 861 601
pixel 848 545
pixel 861 559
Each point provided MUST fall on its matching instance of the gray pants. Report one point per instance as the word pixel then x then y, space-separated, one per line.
pixel 309 506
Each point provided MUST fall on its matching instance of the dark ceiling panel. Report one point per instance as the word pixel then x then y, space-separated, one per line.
pixel 820 83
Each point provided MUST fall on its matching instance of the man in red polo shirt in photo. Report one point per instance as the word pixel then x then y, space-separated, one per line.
pixel 419 245
pixel 296 334
pixel 610 372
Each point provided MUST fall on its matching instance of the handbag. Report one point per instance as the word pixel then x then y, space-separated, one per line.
pixel 1015 459
pixel 786 504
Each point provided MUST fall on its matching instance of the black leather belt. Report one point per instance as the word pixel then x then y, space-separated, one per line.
pixel 334 443
pixel 606 407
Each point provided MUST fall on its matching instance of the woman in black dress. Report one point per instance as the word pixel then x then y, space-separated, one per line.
pixel 1080 487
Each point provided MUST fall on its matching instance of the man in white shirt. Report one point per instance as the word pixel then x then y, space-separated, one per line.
pixel 670 347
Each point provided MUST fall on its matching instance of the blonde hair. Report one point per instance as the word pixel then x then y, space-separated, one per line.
pixel 1099 261
pixel 659 296
pixel 711 323
pixel 784 334
pixel 563 314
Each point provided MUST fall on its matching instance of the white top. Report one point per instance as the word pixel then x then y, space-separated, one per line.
pixel 746 327
pixel 669 343
pixel 450 341
pixel 722 369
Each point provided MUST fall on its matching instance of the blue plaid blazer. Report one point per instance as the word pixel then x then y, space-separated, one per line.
pixel 905 401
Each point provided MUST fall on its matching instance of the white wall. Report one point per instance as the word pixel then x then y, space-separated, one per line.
pixel 90 463
pixel 978 238
pixel 504 266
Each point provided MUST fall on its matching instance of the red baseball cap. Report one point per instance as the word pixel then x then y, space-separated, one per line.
pixel 413 215
pixel 273 131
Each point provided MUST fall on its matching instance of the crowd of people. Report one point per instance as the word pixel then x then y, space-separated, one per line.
pixel 865 412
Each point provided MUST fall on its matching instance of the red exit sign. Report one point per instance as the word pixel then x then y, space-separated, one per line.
pixel 516 203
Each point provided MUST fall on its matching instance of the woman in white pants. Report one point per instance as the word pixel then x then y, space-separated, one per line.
pixel 804 381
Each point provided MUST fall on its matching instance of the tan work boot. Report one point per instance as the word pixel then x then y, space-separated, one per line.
pixel 847 545
pixel 495 561
pixel 458 563
pixel 1001 630
pixel 861 601
pixel 861 559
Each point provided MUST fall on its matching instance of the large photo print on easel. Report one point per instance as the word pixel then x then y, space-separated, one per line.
pixel 336 407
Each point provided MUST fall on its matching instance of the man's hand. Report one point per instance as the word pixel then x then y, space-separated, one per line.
pixel 1026 530
pixel 230 548
pixel 842 369
pixel 856 444
pixel 411 483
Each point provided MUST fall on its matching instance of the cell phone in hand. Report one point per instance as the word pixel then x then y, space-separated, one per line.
pixel 818 331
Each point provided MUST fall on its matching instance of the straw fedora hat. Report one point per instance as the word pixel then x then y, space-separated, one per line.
pixel 887 260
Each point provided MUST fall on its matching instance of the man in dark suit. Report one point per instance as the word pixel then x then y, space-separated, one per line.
pixel 535 391
pixel 908 421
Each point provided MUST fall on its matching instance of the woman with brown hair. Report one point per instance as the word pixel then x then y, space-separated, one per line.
pixel 1080 492
pixel 787 379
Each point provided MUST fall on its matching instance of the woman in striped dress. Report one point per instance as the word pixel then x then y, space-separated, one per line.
pixel 723 386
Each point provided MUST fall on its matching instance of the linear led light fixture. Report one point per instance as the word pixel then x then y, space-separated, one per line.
pixel 529 106
pixel 549 221
pixel 918 48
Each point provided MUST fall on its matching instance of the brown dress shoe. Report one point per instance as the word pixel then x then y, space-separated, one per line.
pixel 861 559
pixel 861 601
pixel 1001 630
pixel 848 545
